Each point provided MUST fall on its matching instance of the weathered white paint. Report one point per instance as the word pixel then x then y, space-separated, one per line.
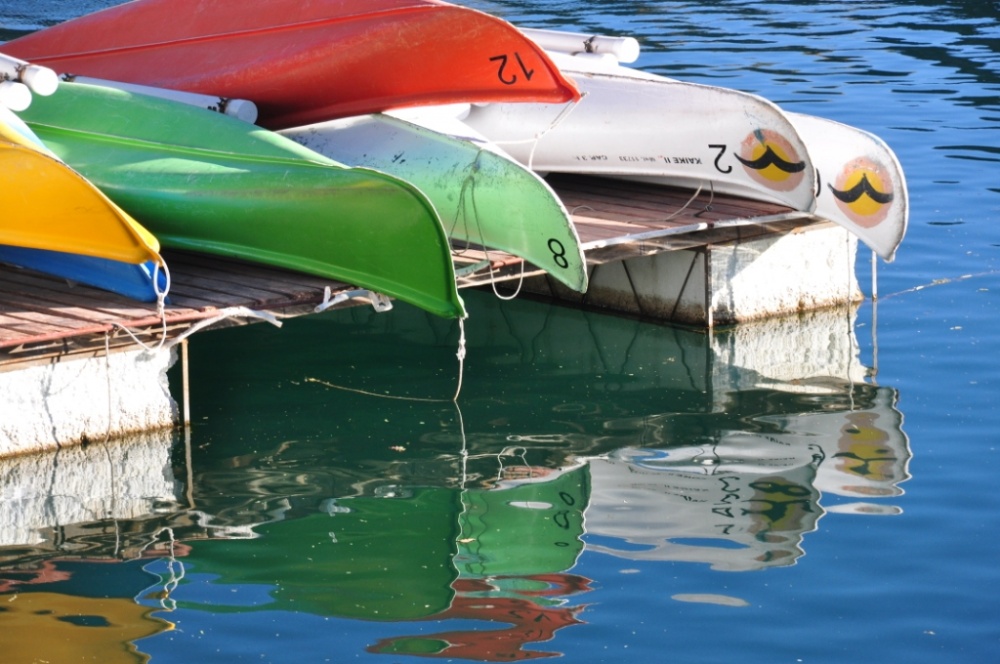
pixel 729 283
pixel 790 273
pixel 69 401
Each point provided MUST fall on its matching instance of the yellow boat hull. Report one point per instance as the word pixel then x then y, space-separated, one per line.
pixel 47 205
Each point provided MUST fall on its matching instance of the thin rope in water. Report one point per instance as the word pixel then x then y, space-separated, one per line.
pixel 852 341
pixel 460 354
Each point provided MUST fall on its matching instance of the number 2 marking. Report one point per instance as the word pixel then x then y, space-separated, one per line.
pixel 722 151
pixel 512 78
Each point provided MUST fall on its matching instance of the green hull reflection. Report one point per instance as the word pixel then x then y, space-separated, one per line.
pixel 372 558
pixel 397 556
pixel 527 528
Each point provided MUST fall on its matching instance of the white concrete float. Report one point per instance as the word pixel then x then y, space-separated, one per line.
pixel 813 450
pixel 69 401
pixel 728 283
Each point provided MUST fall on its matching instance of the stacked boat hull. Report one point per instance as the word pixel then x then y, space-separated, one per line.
pixel 305 62
pixel 209 183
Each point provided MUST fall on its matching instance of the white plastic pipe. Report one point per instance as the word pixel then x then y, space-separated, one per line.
pixel 240 109
pixel 40 80
pixel 625 49
pixel 15 96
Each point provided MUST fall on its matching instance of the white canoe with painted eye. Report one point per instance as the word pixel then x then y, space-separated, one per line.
pixel 644 127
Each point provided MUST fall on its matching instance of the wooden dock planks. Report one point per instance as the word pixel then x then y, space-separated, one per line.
pixel 43 317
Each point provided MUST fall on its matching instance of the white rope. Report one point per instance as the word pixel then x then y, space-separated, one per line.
pixel 468 185
pixel 694 196
pixel 379 302
pixel 534 140
pixel 461 213
pixel 555 123
pixel 687 204
pixel 161 306
pixel 517 291
pixel 851 339
pixel 228 312
pixel 167 603
pixel 874 276
pixel 161 296
pixel 464 454
pixel 460 354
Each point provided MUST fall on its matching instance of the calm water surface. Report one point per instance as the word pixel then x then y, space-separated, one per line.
pixel 823 491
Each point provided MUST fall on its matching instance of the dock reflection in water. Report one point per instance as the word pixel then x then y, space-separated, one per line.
pixel 457 533
pixel 76 528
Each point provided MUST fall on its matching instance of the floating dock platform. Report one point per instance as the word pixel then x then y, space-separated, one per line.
pixel 79 364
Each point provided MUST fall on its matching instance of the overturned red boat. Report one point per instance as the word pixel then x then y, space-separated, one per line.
pixel 305 62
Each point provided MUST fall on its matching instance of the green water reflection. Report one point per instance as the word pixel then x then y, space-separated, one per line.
pixel 328 473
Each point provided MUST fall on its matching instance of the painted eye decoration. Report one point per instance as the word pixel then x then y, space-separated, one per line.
pixel 771 160
pixel 863 191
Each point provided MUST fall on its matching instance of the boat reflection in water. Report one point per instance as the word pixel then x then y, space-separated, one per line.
pixel 516 542
pixel 493 544
pixel 743 500
pixel 450 533
pixel 102 507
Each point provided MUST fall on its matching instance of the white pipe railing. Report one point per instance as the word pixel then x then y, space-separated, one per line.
pixel 625 49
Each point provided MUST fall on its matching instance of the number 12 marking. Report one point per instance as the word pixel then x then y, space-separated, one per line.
pixel 512 78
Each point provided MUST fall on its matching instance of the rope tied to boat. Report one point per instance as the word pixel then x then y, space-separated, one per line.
pixel 161 296
pixel 379 302
pixel 228 312
pixel 460 354
pixel 461 213
pixel 556 121
pixel 468 190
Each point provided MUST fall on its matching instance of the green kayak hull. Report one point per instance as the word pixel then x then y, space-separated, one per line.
pixel 204 182
pixel 483 197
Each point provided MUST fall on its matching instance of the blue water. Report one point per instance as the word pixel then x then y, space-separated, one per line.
pixel 684 504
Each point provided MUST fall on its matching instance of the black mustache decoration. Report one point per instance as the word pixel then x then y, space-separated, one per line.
pixel 771 158
pixel 860 189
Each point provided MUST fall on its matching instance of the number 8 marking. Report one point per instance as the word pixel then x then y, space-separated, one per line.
pixel 558 253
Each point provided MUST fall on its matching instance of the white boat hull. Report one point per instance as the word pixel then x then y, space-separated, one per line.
pixel 643 127
pixel 861 183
